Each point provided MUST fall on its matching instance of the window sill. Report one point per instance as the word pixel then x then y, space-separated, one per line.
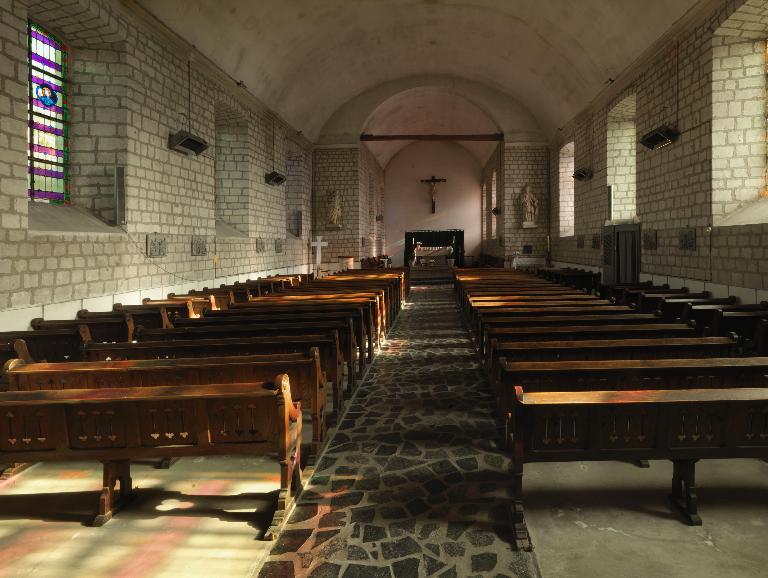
pixel 754 213
pixel 45 219
pixel 227 231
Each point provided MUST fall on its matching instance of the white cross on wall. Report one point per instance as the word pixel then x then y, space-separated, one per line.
pixel 318 244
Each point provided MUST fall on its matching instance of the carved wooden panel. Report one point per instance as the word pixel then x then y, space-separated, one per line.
pixel 750 425
pixel 26 429
pixel 240 421
pixel 94 427
pixel 692 426
pixel 560 430
pixel 169 423
pixel 628 427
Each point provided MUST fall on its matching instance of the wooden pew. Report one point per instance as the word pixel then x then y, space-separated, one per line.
pixel 118 425
pixel 617 293
pixel 704 315
pixel 46 345
pixel 671 308
pixel 148 316
pixel 195 304
pixel 313 300
pixel 679 425
pixel 307 385
pixel 249 332
pixel 363 335
pixel 649 302
pixel 331 360
pixel 584 332
pixel 557 317
pixel 105 329
pixel 353 352
pixel 742 323
pixel 704 373
pixel 372 323
pixel 607 349
pixel 632 296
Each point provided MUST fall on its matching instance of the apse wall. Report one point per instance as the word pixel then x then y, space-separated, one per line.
pixel 407 203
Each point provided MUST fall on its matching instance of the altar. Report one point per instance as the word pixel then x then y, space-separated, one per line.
pixel 433 256
pixel 430 248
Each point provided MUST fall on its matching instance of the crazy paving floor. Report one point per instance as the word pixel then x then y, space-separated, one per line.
pixel 410 485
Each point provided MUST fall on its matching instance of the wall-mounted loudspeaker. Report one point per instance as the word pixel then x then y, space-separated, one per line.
pixel 274 178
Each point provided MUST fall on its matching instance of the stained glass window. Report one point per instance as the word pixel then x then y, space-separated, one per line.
pixel 48 118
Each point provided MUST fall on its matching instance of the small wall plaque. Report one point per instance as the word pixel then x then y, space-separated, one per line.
pixel 199 246
pixel 157 245
pixel 597 241
pixel 688 239
pixel 650 240
pixel 580 242
pixel 527 249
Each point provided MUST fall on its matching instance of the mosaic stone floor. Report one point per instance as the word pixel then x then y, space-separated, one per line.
pixel 410 485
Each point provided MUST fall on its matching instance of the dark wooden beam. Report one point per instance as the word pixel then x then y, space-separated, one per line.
pixel 498 137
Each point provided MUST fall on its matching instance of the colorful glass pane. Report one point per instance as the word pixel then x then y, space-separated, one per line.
pixel 48 118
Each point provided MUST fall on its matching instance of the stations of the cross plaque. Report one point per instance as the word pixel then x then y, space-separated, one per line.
pixel 433 182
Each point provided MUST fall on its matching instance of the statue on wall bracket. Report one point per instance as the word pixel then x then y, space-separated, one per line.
pixel 529 207
pixel 334 210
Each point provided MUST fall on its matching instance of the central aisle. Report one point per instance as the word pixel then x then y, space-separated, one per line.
pixel 410 484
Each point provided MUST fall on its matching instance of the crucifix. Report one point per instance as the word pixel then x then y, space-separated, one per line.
pixel 433 188
pixel 318 244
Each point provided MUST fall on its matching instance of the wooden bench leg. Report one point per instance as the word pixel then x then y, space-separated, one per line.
pixel 114 472
pixel 7 471
pixel 683 496
pixel 165 463
pixel 290 487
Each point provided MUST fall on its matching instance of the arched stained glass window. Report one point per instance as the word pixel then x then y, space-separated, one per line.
pixel 48 118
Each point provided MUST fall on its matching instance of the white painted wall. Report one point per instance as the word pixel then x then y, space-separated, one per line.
pixel 407 204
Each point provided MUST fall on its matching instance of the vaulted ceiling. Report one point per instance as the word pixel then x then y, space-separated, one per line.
pixel 307 58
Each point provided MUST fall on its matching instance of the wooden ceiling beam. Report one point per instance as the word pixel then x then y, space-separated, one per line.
pixel 497 137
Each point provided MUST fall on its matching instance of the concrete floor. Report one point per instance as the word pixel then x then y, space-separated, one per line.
pixel 201 518
pixel 613 519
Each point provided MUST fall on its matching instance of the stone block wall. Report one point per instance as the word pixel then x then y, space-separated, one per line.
pixel 738 124
pixel 622 159
pixel 525 165
pixel 678 187
pixel 232 173
pixel 337 169
pixel 174 195
pixel 98 88
pixel 371 189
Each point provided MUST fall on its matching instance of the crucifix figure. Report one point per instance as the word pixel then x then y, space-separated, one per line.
pixel 318 244
pixel 433 188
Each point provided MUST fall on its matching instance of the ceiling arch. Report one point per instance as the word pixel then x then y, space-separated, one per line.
pixel 306 58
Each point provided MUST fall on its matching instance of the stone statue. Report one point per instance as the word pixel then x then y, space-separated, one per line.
pixel 529 205
pixel 334 210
